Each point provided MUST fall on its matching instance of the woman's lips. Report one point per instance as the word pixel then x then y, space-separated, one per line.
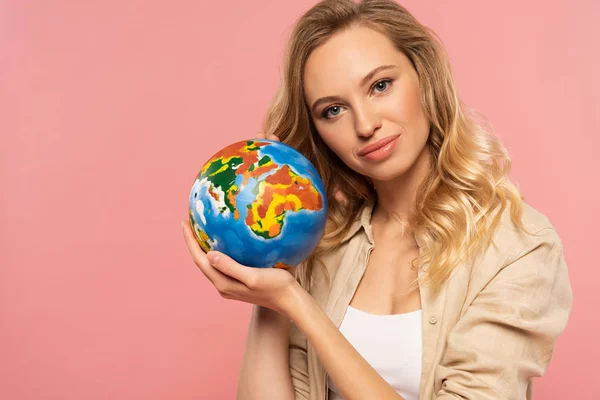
pixel 377 145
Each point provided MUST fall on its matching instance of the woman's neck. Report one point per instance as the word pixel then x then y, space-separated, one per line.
pixel 396 197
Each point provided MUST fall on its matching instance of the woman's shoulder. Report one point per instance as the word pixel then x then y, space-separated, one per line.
pixel 516 261
pixel 537 224
pixel 533 219
pixel 510 243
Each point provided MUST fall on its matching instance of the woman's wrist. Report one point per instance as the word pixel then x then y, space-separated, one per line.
pixel 295 301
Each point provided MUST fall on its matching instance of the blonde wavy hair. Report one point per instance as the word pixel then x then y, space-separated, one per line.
pixel 460 202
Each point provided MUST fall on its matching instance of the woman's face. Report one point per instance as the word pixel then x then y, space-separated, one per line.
pixel 363 94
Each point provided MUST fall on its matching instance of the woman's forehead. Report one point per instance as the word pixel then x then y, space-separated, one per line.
pixel 347 57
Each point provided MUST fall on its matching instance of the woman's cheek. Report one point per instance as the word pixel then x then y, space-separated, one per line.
pixel 338 137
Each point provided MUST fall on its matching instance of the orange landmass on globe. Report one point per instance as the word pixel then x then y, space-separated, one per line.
pixel 202 239
pixel 258 171
pixel 231 197
pixel 282 265
pixel 281 192
pixel 213 194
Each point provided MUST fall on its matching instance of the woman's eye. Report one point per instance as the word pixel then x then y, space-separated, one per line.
pixel 332 111
pixel 382 86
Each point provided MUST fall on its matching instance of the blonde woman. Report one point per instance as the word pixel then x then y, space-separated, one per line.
pixel 433 280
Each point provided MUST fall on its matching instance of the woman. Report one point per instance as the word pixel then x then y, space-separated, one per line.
pixel 433 280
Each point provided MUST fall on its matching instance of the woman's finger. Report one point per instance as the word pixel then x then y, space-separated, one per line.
pixel 262 135
pixel 199 256
pixel 230 267
pixel 340 196
pixel 225 284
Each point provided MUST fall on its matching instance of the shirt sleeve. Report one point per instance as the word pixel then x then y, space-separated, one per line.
pixel 298 361
pixel 506 335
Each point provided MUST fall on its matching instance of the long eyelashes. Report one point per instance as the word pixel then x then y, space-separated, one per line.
pixel 377 87
pixel 386 81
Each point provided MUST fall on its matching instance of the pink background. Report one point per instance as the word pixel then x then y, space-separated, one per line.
pixel 108 110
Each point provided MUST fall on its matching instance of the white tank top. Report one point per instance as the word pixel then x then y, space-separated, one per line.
pixel 391 344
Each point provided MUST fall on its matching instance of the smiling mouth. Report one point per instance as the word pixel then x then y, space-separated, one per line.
pixel 377 145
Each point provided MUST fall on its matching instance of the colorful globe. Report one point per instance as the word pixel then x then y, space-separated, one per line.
pixel 260 202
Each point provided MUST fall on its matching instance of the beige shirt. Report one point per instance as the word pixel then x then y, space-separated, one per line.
pixel 491 329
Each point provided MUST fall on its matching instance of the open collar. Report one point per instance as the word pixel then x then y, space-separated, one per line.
pixel 363 220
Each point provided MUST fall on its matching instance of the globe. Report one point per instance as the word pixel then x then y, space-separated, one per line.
pixel 261 202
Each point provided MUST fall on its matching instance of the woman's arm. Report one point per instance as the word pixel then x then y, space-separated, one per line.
pixel 278 290
pixel 265 372
pixel 354 377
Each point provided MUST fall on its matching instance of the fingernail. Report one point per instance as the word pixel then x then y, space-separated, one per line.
pixel 213 258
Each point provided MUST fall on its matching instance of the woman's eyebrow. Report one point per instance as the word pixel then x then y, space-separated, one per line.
pixel 363 82
pixel 371 74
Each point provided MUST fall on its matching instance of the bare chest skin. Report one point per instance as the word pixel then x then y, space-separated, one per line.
pixel 385 287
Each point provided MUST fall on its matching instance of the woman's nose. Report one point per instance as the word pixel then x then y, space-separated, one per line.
pixel 367 121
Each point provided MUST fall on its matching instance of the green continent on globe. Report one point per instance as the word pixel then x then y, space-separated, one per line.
pixel 222 170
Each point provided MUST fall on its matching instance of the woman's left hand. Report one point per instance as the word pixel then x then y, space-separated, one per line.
pixel 273 288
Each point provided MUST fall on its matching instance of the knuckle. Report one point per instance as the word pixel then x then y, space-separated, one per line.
pixel 220 288
pixel 252 283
